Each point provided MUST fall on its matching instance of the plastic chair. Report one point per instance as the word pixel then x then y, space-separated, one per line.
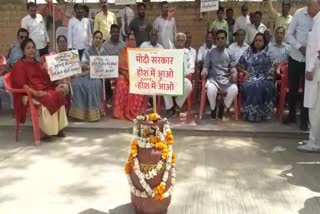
pixel 32 108
pixel 282 71
pixel 220 97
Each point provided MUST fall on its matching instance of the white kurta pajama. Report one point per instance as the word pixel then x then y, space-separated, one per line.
pixel 219 65
pixel 312 88
pixel 188 67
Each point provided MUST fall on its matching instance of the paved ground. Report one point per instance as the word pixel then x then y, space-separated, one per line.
pixel 83 174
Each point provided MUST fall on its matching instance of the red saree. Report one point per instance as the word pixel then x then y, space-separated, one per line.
pixel 35 76
pixel 126 105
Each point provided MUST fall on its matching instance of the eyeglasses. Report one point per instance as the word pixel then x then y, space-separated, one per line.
pixel 23 37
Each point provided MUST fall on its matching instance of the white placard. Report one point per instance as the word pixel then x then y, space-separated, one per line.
pixel 62 65
pixel 156 72
pixel 124 2
pixel 104 67
pixel 209 5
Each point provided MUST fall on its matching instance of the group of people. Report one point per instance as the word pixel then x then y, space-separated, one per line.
pixel 242 47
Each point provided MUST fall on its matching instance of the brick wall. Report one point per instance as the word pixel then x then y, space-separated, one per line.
pixel 187 18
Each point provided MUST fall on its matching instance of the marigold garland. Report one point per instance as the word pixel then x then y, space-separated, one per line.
pixel 152 138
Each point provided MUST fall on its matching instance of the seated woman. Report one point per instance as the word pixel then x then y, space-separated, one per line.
pixel 29 74
pixel 126 105
pixel 258 88
pixel 87 93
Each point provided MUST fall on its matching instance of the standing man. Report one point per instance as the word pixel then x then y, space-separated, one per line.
pixel 299 28
pixel 278 49
pixel 126 15
pixel 140 25
pixel 220 23
pixel 193 52
pixel 104 19
pixel 281 20
pixel 86 11
pixel 231 22
pixel 113 46
pixel 255 27
pixel 79 31
pixel 36 27
pixel 220 69
pixel 237 48
pixel 312 89
pixel 243 21
pixel 162 22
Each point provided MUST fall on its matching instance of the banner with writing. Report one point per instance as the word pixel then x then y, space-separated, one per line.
pixel 124 2
pixel 63 65
pixel 156 72
pixel 104 67
pixel 209 5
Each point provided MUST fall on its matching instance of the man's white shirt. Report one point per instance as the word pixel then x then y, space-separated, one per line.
pixel 79 33
pixel 37 30
pixel 298 31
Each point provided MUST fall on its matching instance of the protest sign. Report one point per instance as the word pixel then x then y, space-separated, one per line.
pixel 63 65
pixel 124 2
pixel 156 72
pixel 104 67
pixel 209 5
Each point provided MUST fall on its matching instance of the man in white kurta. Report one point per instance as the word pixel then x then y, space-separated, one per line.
pixel 312 84
pixel 188 66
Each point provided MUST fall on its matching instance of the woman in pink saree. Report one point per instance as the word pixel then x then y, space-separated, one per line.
pixel 126 105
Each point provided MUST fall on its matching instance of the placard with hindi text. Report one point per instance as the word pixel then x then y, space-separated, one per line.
pixel 104 67
pixel 62 65
pixel 209 5
pixel 156 72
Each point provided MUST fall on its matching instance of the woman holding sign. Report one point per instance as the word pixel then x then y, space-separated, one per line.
pixel 87 93
pixel 30 74
pixel 126 105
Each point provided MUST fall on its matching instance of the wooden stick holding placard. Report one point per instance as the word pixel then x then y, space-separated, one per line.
pixel 154 100
pixel 104 100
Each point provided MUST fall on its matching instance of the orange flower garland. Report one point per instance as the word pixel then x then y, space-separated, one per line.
pixel 152 138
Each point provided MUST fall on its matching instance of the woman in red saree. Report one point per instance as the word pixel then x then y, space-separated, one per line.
pixel 126 105
pixel 29 74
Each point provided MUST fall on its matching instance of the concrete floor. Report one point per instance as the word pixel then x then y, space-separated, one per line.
pixel 83 173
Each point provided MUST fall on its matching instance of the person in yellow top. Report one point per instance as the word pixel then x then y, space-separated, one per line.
pixel 281 20
pixel 220 23
pixel 104 19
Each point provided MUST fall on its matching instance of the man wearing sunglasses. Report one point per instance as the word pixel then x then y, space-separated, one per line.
pixel 15 53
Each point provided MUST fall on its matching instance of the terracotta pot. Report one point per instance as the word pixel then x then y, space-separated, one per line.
pixel 149 205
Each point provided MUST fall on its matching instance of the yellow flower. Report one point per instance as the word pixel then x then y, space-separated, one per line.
pixel 174 158
pixel 134 152
pixel 170 142
pixel 153 139
pixel 159 197
pixel 169 137
pixel 127 168
pixel 153 116
pixel 130 159
pixel 134 143
pixel 159 145
pixel 169 133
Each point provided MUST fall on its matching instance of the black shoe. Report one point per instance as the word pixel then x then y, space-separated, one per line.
pixel 213 114
pixel 304 127
pixel 170 113
pixel 289 119
pixel 220 111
